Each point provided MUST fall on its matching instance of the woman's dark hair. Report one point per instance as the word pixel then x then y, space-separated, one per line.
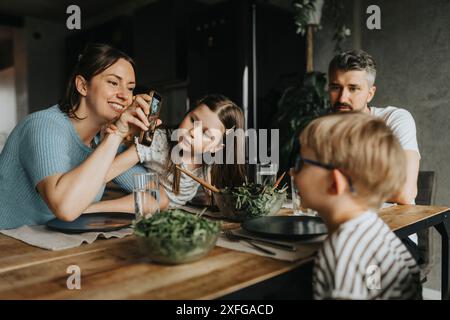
pixel 94 59
pixel 231 116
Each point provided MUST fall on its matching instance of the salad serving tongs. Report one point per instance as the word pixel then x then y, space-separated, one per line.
pixel 199 180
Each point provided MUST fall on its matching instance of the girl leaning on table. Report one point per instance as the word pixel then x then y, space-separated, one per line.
pixel 208 128
pixel 54 164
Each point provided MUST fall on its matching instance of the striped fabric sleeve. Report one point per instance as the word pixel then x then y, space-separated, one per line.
pixel 125 180
pixel 44 149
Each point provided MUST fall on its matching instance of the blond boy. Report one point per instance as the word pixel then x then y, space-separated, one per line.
pixel 348 165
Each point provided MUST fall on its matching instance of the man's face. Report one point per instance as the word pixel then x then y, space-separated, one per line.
pixel 350 90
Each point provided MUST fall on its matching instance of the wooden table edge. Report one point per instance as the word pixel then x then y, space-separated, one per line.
pixel 256 280
pixel 441 209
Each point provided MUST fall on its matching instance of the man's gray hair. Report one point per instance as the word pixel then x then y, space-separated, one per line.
pixel 354 60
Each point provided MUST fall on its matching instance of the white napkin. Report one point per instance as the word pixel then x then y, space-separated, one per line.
pixel 304 248
pixel 42 237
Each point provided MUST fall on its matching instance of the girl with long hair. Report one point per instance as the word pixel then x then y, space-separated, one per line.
pixel 214 119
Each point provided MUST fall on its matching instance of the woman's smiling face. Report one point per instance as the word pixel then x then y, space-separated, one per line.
pixel 110 92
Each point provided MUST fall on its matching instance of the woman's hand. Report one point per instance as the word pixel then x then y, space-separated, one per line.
pixel 134 118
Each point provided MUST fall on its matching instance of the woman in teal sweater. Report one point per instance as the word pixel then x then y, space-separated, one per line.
pixel 53 163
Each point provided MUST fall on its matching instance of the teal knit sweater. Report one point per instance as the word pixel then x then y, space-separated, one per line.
pixel 43 144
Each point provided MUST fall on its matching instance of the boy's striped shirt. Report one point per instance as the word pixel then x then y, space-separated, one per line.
pixel 364 259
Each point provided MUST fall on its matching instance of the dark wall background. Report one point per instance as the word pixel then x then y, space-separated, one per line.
pixel 186 49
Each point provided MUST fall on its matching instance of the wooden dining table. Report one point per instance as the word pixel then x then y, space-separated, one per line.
pixel 116 269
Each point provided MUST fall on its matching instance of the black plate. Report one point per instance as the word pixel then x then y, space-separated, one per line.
pixel 93 222
pixel 286 227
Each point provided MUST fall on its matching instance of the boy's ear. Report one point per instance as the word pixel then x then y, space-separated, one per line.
pixel 339 183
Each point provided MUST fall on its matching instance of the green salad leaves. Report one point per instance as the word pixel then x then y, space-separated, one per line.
pixel 176 235
pixel 255 199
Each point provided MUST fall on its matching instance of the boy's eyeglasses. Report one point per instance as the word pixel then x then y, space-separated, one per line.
pixel 300 161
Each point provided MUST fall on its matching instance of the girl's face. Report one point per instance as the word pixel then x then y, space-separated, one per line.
pixel 201 130
pixel 111 91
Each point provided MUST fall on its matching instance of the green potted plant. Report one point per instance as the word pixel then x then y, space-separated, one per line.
pixel 298 106
pixel 306 100
pixel 307 18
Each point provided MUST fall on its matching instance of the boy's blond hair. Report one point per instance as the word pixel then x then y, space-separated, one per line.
pixel 363 148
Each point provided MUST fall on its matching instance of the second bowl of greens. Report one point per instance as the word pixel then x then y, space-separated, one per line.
pixel 249 201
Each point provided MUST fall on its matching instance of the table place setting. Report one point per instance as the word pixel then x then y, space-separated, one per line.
pixel 40 236
pixel 88 227
pixel 286 250
pixel 288 238
pixel 60 235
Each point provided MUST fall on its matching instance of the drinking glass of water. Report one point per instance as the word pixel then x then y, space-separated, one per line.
pixel 266 173
pixel 297 207
pixel 146 194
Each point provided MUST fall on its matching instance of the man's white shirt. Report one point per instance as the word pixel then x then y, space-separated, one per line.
pixel 401 123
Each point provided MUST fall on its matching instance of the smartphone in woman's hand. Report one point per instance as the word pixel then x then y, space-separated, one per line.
pixel 146 137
